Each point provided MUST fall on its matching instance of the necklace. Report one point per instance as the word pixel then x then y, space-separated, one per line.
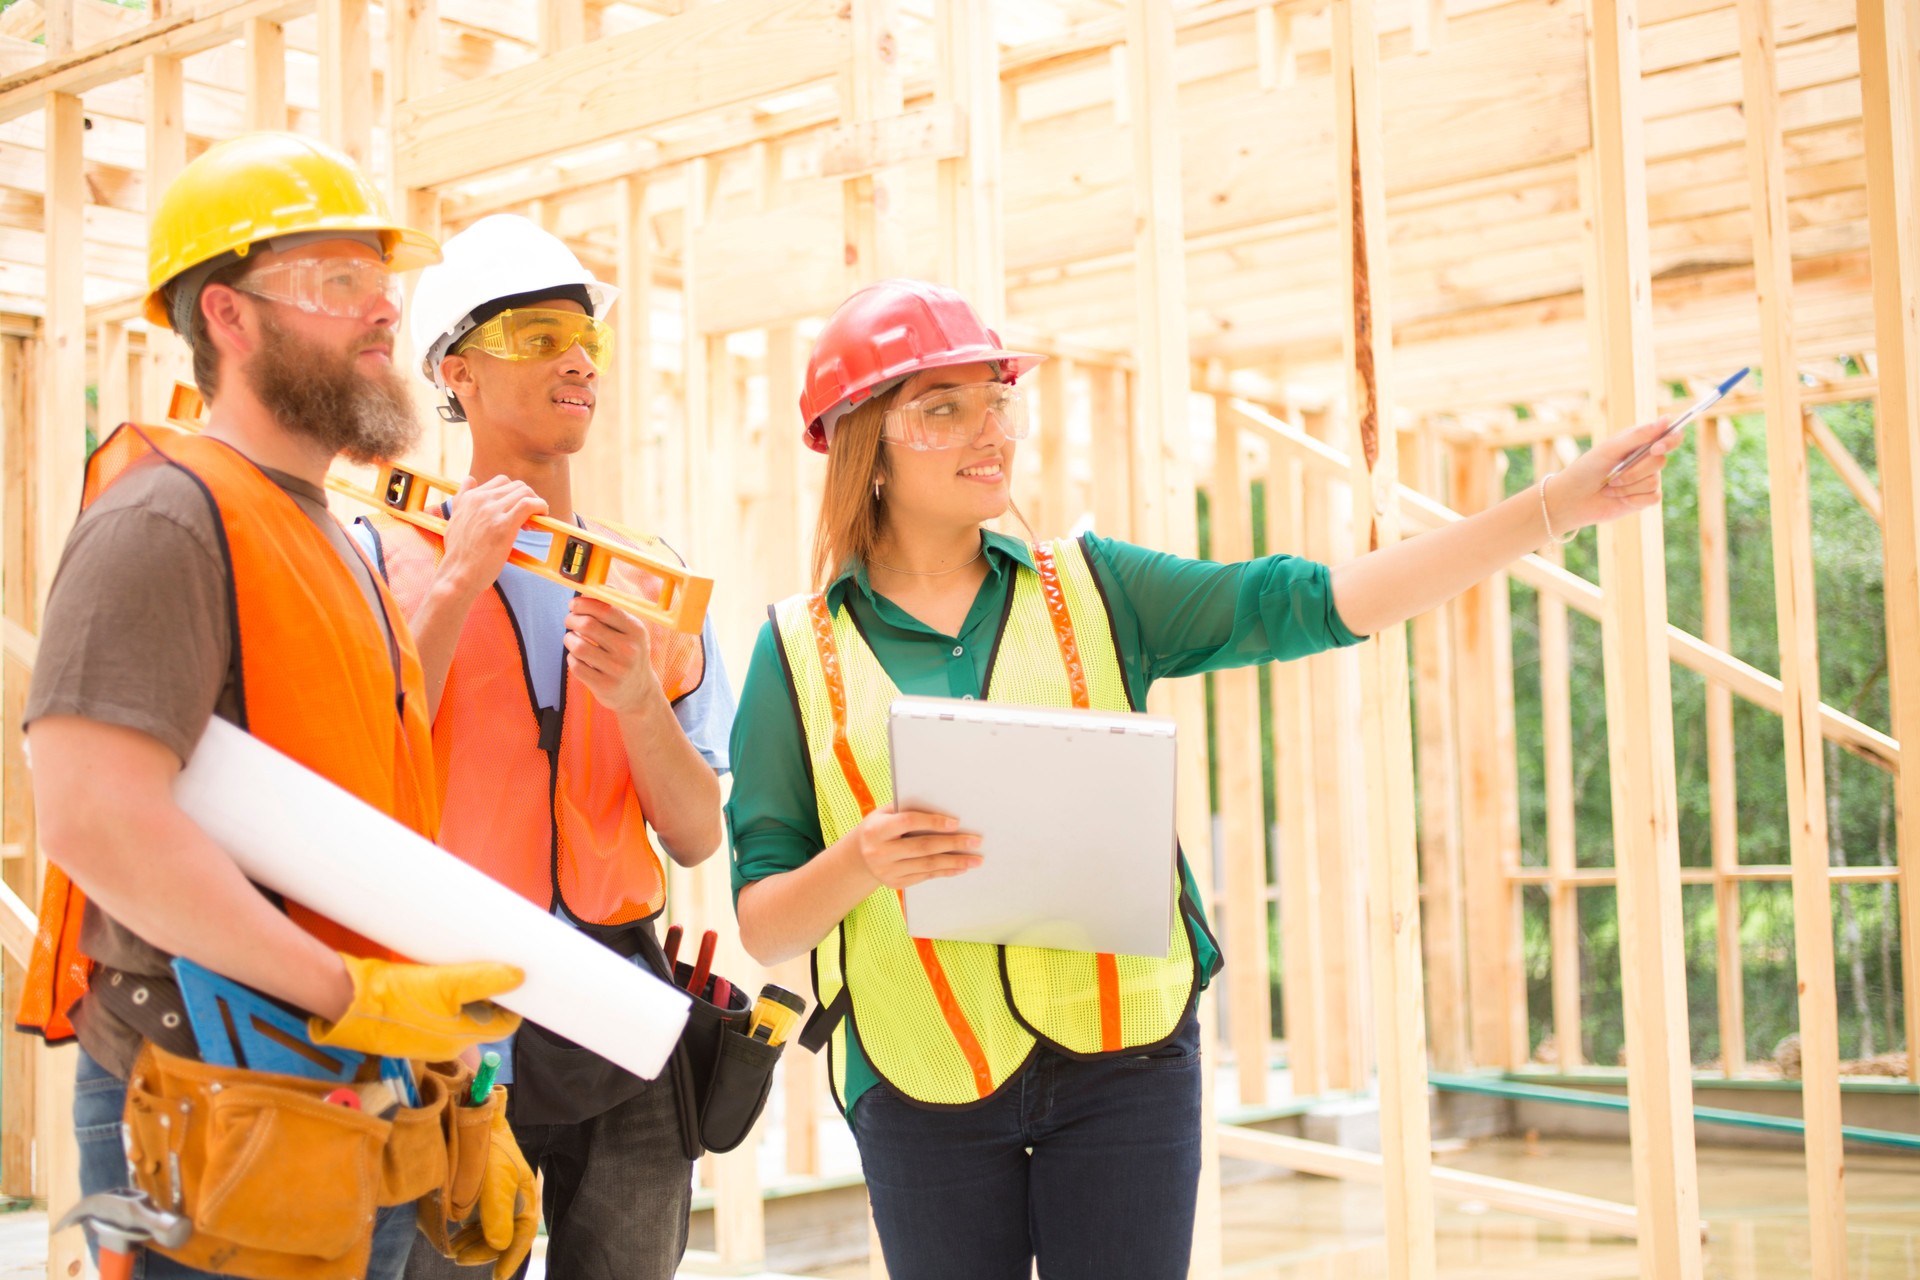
pixel 928 573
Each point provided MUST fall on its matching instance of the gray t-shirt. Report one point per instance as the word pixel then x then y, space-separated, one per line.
pixel 138 632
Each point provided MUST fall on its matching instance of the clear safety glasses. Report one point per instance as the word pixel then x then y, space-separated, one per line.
pixel 348 288
pixel 955 417
pixel 536 333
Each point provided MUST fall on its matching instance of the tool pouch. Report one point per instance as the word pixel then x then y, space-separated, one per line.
pixel 466 1136
pixel 721 1076
pixel 279 1183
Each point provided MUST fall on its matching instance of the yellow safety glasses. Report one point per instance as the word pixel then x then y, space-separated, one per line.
pixel 536 333
pixel 955 417
pixel 348 288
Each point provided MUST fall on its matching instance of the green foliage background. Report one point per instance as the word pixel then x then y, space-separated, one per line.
pixel 1852 635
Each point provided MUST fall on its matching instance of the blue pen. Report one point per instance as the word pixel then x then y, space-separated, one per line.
pixel 1719 393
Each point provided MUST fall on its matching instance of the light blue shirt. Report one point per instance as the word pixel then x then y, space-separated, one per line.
pixel 539 607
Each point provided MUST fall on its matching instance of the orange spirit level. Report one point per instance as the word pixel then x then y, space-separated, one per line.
pixel 577 558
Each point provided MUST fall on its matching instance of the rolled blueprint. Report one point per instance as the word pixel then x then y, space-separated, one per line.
pixel 298 834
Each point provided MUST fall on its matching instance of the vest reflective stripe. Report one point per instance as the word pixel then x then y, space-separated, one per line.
pixel 920 1007
pixel 963 1037
pixel 549 818
pixel 316 677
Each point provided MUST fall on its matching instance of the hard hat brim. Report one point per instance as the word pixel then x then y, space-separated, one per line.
pixel 1013 365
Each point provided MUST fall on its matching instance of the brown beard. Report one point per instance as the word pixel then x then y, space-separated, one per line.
pixel 321 393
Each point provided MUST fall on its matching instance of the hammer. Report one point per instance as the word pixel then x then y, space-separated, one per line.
pixel 122 1221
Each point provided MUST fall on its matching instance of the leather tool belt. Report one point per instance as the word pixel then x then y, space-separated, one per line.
pixel 282 1184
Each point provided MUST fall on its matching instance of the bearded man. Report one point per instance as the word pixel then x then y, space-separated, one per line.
pixel 207 577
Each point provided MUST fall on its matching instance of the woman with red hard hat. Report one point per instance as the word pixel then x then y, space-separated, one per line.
pixel 1014 1103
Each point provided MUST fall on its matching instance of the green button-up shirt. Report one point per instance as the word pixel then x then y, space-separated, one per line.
pixel 1172 616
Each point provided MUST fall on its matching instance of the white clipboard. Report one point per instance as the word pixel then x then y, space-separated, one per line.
pixel 1074 810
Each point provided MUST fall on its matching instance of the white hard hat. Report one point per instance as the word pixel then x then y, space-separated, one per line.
pixel 501 256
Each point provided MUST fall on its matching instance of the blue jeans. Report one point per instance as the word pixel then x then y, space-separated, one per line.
pixel 99 1098
pixel 1091 1167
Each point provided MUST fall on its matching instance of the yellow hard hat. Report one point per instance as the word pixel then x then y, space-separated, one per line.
pixel 259 186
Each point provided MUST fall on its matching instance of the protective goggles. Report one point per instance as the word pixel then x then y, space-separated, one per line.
pixel 536 333
pixel 349 288
pixel 955 417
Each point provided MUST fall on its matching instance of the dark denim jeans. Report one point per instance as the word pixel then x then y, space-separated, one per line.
pixel 99 1099
pixel 618 1193
pixel 1091 1167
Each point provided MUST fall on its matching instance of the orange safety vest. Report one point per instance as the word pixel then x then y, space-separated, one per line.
pixel 543 803
pixel 319 681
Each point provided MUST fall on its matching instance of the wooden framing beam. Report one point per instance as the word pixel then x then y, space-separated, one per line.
pixel 265 88
pixel 1556 714
pixel 1236 727
pixel 1328 1161
pixel 19 604
pixel 166 123
pixel 1340 818
pixel 1442 919
pixel 1393 901
pixel 1688 650
pixel 1489 906
pixel 1164 515
pixel 346 80
pixel 1791 518
pixel 635 263
pixel 1890 90
pixel 1639 682
pixel 873 212
pixel 76 73
pixel 1723 813
pixel 713 56
pixel 1302 986
pixel 967 81
pixel 1845 465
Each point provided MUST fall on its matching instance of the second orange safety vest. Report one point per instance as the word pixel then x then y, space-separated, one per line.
pixel 541 801
pixel 319 680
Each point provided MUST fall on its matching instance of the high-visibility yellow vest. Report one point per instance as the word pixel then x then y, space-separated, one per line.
pixel 949 1023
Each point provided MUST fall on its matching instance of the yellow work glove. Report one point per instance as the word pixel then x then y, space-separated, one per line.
pixel 427 1011
pixel 508 1213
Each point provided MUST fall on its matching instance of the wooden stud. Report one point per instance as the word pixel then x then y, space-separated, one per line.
pixel 1164 515
pixel 413 47
pixel 1639 684
pixel 113 400
pixel 1301 988
pixel 1340 819
pixel 166 123
pixel 1442 921
pixel 1889 40
pixel 266 74
pixel 1556 713
pixel 1790 511
pixel 19 1052
pixel 1112 450
pixel 1393 906
pixel 1845 465
pixel 704 60
pixel 563 24
pixel 967 78
pixel 1723 813
pixel 634 267
pixel 59 454
pixel 1236 700
pixel 874 215
pixel 1057 511
pixel 1429 24
pixel 1490 934
pixel 1329 1161
pixel 1276 60
pixel 346 81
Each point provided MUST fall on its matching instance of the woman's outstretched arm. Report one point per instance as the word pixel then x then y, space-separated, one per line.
pixel 1386 587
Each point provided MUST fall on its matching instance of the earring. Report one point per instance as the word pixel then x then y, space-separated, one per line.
pixel 876 491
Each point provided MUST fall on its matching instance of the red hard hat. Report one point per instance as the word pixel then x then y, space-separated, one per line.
pixel 885 332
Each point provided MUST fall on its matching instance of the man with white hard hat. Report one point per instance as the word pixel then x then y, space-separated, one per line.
pixel 564 727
